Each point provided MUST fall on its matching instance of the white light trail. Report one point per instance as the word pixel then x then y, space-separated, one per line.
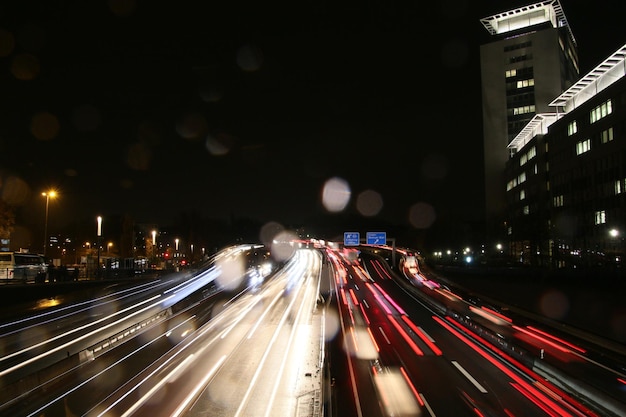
pixel 85 336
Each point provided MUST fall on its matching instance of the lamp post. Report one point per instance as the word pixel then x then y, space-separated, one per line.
pixel 154 246
pixel 48 194
pixel 99 220
pixel 614 233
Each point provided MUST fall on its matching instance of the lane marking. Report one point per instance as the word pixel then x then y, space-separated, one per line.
pixel 469 377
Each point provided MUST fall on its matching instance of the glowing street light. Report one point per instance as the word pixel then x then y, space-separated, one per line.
pixel 109 245
pixel 176 240
pixel 99 243
pixel 154 244
pixel 48 194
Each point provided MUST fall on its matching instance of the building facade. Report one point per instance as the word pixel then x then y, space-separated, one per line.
pixel 531 59
pixel 566 179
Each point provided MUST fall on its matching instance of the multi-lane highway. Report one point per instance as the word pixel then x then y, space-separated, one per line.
pixel 463 358
pixel 323 333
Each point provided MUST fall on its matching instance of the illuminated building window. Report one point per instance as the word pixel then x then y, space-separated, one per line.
pixel 572 128
pixel 510 73
pixel 522 194
pixel 526 210
pixel 524 109
pixel 511 184
pixel 521 178
pixel 525 83
pixel 601 111
pixel 618 187
pixel 557 201
pixel 600 217
pixel 583 146
pixel 607 135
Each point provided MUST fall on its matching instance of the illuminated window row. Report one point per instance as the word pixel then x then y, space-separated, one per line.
pixel 532 152
pixel 606 135
pixel 600 217
pixel 572 128
pixel 511 184
pixel 601 111
pixel 525 83
pixel 515 181
pixel 583 146
pixel 557 201
pixel 620 186
pixel 523 109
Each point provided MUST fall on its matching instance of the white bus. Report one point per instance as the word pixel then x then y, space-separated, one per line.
pixel 24 267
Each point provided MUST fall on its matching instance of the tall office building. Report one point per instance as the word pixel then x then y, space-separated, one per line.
pixel 532 58
pixel 566 184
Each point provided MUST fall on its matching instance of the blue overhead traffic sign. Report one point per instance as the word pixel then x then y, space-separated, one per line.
pixel 351 239
pixel 376 238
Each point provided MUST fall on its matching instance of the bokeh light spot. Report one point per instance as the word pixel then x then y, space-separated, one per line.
pixel 192 126
pixel 122 8
pixel 369 203
pixel 220 144
pixel 44 126
pixel 618 325
pixel 25 67
pixel 554 304
pixel 210 94
pixel 331 327
pixel 139 157
pixel 282 247
pixel 269 231
pixel 249 58
pixel 232 271
pixel 422 215
pixel 336 194
pixel 7 43
pixel 15 191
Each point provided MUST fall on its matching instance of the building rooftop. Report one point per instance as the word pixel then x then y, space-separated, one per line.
pixel 526 16
pixel 609 71
pixel 538 125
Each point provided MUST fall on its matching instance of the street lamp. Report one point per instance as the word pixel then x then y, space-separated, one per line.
pixel 48 194
pixel 154 244
pixel 109 245
pixel 98 243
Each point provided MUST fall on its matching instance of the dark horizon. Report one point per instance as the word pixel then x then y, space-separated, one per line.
pixel 246 111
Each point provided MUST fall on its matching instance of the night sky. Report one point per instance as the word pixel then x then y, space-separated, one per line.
pixel 247 109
